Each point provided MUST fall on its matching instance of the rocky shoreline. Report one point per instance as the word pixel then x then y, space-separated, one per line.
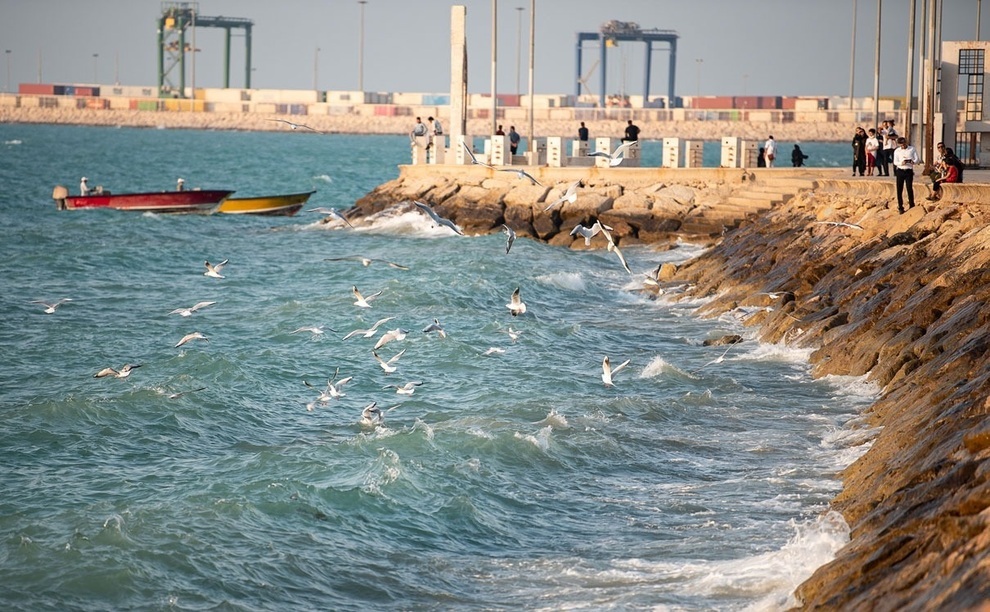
pixel 364 124
pixel 901 301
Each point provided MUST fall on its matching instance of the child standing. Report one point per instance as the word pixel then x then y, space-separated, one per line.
pixel 872 145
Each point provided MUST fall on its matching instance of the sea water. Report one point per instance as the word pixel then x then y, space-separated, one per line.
pixel 511 478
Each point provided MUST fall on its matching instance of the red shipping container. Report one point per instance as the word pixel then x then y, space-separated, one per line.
pixel 770 102
pixel 36 89
pixel 84 91
pixel 746 102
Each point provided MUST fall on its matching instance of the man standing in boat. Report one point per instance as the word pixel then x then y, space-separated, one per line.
pixel 83 187
pixel 180 185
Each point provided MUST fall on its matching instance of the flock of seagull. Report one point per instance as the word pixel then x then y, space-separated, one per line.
pixel 371 414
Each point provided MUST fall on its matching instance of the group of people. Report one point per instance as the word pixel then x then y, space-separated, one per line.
pixel 768 154
pixel 880 149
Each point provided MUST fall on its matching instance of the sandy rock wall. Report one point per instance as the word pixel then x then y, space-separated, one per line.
pixel 903 301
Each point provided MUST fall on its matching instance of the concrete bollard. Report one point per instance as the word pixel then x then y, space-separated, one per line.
pixel 633 156
pixel 438 149
pixel 731 152
pixel 749 154
pixel 459 153
pixel 537 156
pixel 580 148
pixel 418 146
pixel 498 153
pixel 673 153
pixel 604 145
pixel 555 152
pixel 694 153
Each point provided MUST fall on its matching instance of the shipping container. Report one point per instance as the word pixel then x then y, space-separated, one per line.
pixel 407 99
pixel 509 99
pixel 770 102
pixel 385 110
pixel 83 91
pixel 436 99
pixel 147 105
pixel 298 109
pixel 36 89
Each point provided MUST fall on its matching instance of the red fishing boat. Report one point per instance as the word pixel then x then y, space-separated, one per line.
pixel 196 201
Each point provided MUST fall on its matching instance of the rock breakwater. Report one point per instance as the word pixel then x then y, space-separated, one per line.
pixel 901 300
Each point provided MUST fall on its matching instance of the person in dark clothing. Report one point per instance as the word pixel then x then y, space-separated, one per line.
pixel 761 160
pixel 859 152
pixel 632 132
pixel 583 133
pixel 798 157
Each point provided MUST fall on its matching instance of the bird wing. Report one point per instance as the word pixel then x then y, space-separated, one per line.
pixel 619 367
pixel 622 148
pixel 621 258
pixel 199 305
pixel 600 154
pixel 396 356
pixel 429 211
pixel 530 177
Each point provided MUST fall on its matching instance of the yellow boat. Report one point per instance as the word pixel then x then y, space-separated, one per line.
pixel 275 205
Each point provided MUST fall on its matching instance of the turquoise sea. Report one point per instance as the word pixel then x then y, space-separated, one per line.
pixel 511 479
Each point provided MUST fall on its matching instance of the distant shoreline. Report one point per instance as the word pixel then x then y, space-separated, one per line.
pixel 401 125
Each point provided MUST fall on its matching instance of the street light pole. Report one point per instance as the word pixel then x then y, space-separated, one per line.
pixel 852 59
pixel 494 65
pixel 699 61
pixel 361 48
pixel 519 11
pixel 316 69
pixel 7 53
pixel 96 68
pixel 876 70
pixel 532 65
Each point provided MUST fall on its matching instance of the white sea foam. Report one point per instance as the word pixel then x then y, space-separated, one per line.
pixel 658 366
pixel 408 223
pixel 540 440
pixel 324 178
pixel 13 142
pixel 571 281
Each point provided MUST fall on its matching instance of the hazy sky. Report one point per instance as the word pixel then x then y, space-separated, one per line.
pixel 753 47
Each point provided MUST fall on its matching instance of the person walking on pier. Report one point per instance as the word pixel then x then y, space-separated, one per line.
pixel 859 151
pixel 770 151
pixel 513 140
pixel 905 157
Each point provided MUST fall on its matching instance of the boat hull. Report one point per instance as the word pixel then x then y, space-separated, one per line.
pixel 203 202
pixel 277 205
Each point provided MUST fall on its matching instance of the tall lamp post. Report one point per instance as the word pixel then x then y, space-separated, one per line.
pixel 316 69
pixel 361 47
pixel 699 61
pixel 519 11
pixel 96 68
pixel 7 53
pixel 494 65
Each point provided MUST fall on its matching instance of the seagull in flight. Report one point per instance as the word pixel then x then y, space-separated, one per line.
pixel 316 330
pixel 360 300
pixel 513 334
pixel 407 389
pixel 190 338
pixel 214 270
pixel 51 308
pixel 437 218
pixel 370 331
pixel 435 327
pixel 611 246
pixel 373 416
pixel 510 237
pixel 332 212
pixel 718 359
pixel 396 334
pixel 332 391
pixel 297 126
pixel 608 371
pixel 123 372
pixel 387 365
pixel 615 157
pixel 474 160
pixel 367 261
pixel 516 306
pixel 522 174
pixel 569 196
pixel 589 232
pixel 186 312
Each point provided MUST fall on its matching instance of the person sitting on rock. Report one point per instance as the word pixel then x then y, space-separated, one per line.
pixel 949 174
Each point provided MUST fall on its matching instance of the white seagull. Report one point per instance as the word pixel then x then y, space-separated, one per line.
pixel 718 359
pixel 522 174
pixel 297 126
pixel 370 331
pixel 360 300
pixel 331 212
pixel 516 306
pixel 387 365
pixel 608 372
pixel 569 196
pixel 332 391
pixel 396 334
pixel 372 416
pixel 435 327
pixel 191 337
pixel 367 261
pixel 437 218
pixel 51 308
pixel 214 270
pixel 123 372
pixel 615 157
pixel 186 312
pixel 316 330
pixel 510 237
pixel 179 394
pixel 474 160
pixel 590 232
pixel 611 246
pixel 513 334
pixel 407 389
